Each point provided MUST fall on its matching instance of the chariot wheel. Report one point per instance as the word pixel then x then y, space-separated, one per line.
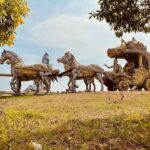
pixel 123 86
pixel 147 85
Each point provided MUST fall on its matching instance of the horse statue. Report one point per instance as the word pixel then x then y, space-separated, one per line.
pixel 77 71
pixel 22 72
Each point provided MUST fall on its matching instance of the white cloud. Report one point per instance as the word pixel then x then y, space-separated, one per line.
pixel 87 39
pixel 80 35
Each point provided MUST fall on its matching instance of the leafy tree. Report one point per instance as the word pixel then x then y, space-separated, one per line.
pixel 124 15
pixel 12 14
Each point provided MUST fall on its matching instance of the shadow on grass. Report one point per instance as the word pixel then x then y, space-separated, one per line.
pixel 113 133
pixel 116 133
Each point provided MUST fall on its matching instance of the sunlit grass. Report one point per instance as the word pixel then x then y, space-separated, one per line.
pixel 76 121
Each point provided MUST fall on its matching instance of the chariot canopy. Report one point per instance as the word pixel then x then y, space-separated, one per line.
pixel 132 51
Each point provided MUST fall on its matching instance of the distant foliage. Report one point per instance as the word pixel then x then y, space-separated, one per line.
pixel 124 15
pixel 12 14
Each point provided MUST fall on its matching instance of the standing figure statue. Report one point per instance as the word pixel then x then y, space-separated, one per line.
pixel 117 68
pixel 45 59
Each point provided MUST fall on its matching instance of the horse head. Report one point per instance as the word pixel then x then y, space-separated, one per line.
pixel 4 57
pixel 68 60
pixel 62 60
pixel 11 57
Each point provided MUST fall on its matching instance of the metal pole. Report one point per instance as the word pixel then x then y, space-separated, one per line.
pixel 5 75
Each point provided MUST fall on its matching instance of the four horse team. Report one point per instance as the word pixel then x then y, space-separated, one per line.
pixel 134 75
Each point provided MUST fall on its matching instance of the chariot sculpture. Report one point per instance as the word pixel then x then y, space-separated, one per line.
pixel 136 72
pixel 135 75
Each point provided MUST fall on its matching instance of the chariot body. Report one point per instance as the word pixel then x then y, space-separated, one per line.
pixel 136 72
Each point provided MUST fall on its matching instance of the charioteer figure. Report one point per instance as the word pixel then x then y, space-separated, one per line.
pixel 129 67
pixel 117 68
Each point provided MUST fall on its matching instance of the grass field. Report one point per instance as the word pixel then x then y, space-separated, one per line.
pixel 87 121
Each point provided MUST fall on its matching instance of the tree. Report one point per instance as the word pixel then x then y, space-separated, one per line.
pixel 12 14
pixel 124 15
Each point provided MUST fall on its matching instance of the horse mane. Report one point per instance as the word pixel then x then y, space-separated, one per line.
pixel 73 57
pixel 74 60
pixel 15 55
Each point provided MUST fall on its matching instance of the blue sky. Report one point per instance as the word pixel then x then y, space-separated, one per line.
pixel 57 26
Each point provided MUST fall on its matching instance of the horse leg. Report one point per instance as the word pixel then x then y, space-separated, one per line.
pixel 94 86
pixel 46 83
pixel 93 83
pixel 18 87
pixel 89 86
pixel 37 87
pixel 75 74
pixel 86 83
pixel 13 81
pixel 49 81
pixel 73 89
pixel 12 84
pixel 73 81
pixel 19 90
pixel 70 79
pixel 74 86
pixel 99 77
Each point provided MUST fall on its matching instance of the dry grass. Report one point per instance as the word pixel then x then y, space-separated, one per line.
pixel 76 121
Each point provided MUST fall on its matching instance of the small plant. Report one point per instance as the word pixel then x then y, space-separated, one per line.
pixel 115 98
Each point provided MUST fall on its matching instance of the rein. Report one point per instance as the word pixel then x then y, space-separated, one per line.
pixel 59 75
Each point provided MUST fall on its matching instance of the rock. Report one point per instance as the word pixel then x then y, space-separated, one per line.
pixel 36 146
